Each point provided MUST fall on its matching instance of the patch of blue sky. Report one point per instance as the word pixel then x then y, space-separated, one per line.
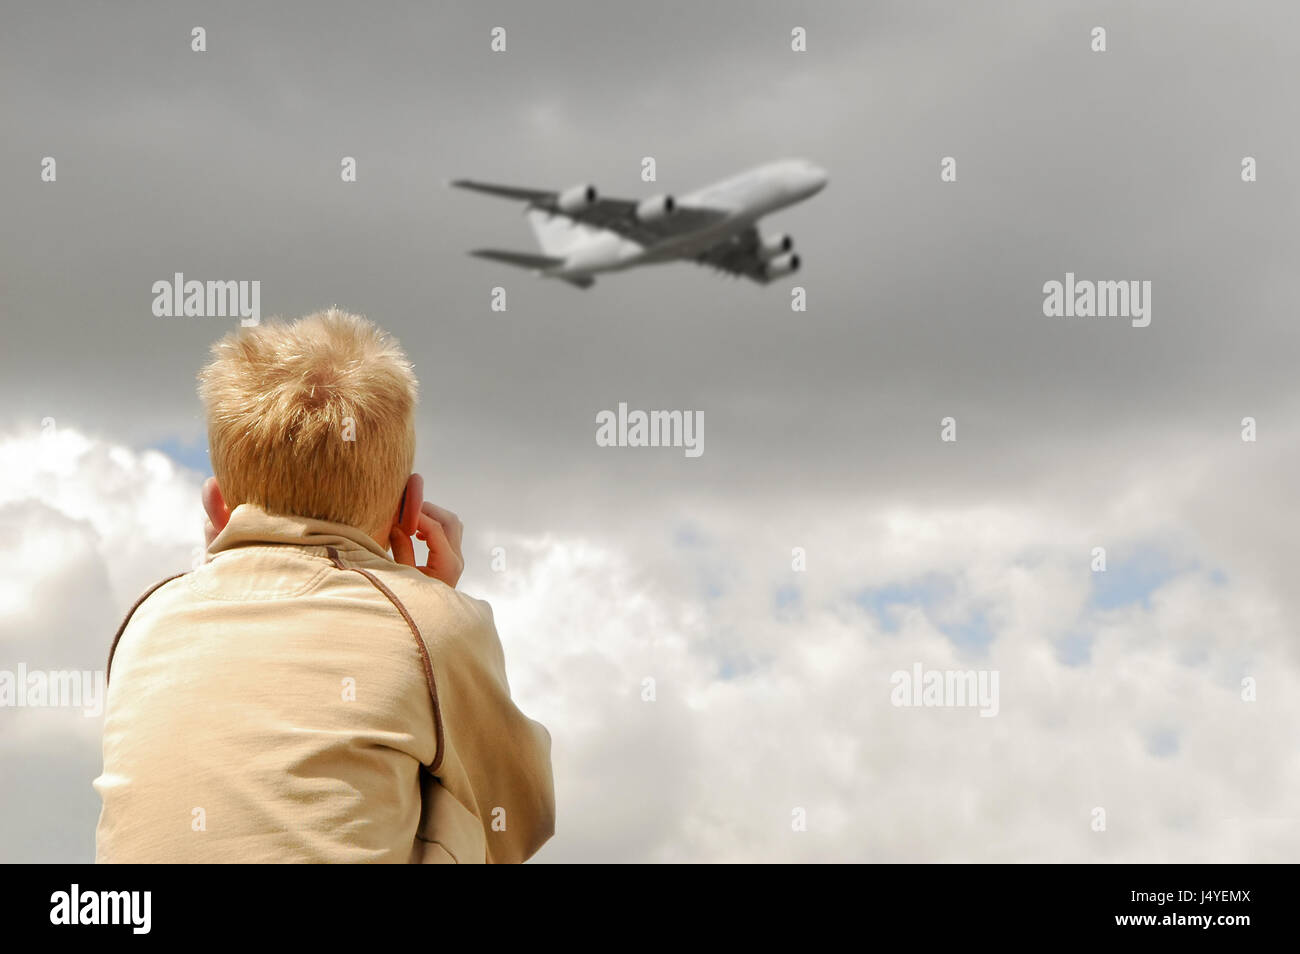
pixel 1132 580
pixel 735 667
pixel 787 602
pixel 1075 648
pixel 1162 743
pixel 190 455
pixel 883 602
pixel 974 632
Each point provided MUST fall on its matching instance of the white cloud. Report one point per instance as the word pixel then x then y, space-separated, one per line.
pixel 1151 728
pixel 772 687
pixel 86 526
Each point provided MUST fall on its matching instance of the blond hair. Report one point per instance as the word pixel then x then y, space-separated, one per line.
pixel 315 418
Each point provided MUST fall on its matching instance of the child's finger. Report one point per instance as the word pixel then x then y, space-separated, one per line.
pixel 436 540
pixel 444 561
pixel 449 522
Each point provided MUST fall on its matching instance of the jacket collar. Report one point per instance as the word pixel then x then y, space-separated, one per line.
pixel 250 524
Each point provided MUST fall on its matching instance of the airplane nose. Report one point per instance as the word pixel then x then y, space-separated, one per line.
pixel 819 178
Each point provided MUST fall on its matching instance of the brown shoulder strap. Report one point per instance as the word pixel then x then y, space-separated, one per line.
pixel 129 613
pixel 419 645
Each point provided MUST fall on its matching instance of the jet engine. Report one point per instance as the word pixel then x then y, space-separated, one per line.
pixel 576 199
pixel 655 208
pixel 781 265
pixel 770 246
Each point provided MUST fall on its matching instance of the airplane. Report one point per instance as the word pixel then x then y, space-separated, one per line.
pixel 583 234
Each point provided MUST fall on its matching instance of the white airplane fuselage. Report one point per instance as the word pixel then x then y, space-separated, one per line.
pixel 745 198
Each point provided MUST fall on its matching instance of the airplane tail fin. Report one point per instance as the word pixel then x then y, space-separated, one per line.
pixel 537 263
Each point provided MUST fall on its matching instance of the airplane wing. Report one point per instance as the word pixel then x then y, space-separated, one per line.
pixel 737 255
pixel 616 215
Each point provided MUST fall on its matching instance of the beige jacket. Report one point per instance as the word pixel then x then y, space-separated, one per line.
pixel 302 698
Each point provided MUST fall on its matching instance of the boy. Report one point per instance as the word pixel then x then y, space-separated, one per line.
pixel 302 696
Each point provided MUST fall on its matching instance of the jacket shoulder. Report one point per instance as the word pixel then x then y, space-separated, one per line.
pixel 447 612
pixel 117 637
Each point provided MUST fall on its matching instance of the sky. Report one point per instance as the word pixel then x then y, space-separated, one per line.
pixel 1119 689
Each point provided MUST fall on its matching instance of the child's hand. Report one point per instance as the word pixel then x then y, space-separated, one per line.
pixel 441 530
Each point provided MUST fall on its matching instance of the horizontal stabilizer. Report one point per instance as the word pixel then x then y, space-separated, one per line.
pixel 504 191
pixel 522 259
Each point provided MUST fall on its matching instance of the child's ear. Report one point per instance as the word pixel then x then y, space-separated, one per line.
pixel 214 504
pixel 408 515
